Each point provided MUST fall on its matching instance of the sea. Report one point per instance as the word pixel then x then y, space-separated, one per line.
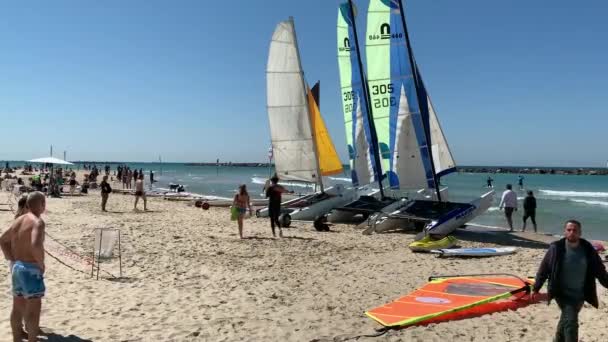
pixel 559 197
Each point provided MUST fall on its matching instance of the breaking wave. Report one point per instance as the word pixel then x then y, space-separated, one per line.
pixel 574 193
pixel 601 203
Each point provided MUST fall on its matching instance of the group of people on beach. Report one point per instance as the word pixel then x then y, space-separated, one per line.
pixel 23 246
pixel 571 264
pixel 140 192
pixel 273 192
pixel 128 176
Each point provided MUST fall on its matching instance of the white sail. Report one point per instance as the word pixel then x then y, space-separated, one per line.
pixel 290 128
pixel 442 156
pixel 407 160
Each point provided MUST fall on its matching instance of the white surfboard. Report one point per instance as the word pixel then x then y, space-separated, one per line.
pixel 474 252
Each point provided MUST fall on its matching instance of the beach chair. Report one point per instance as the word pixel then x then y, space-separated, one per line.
pixel 106 241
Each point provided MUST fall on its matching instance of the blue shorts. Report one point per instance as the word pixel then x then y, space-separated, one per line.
pixel 242 211
pixel 28 281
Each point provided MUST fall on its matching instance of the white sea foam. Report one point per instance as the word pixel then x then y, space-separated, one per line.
pixel 260 180
pixel 493 208
pixel 341 179
pixel 601 203
pixel 574 193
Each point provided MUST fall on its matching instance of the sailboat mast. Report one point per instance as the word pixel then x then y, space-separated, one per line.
pixel 372 126
pixel 312 131
pixel 421 98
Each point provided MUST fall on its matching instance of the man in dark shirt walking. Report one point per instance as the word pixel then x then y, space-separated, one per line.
pixel 105 192
pixel 529 210
pixel 273 193
pixel 571 265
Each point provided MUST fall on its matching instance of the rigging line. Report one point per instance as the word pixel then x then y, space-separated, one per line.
pixel 72 251
pixel 72 268
pixel 67 248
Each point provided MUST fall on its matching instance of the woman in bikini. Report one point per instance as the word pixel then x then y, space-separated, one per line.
pixel 241 202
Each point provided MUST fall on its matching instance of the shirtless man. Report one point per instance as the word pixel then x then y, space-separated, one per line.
pixel 139 192
pixel 23 245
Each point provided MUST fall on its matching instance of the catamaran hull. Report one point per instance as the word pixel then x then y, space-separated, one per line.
pixel 307 208
pixel 392 219
pixel 343 216
pixel 447 225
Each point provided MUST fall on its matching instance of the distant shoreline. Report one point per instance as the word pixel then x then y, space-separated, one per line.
pixel 470 169
pixel 542 170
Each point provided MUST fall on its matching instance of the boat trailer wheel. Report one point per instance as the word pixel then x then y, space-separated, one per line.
pixel 320 224
pixel 285 220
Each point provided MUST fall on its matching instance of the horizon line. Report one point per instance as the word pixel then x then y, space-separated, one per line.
pixel 266 163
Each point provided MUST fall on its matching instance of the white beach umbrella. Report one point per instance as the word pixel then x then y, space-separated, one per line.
pixel 50 160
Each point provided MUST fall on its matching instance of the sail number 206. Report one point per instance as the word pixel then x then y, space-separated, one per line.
pixel 381 89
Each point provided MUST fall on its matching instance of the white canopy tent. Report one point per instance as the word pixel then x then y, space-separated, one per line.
pixel 54 191
pixel 50 160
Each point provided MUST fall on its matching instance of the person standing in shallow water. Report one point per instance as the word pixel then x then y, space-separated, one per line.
pixel 273 193
pixel 529 210
pixel 489 182
pixel 520 182
pixel 241 202
pixel 509 203
pixel 571 265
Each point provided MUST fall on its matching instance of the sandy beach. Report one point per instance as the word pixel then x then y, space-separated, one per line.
pixel 187 277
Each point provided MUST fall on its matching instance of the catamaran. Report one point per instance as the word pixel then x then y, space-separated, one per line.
pixel 302 148
pixel 410 148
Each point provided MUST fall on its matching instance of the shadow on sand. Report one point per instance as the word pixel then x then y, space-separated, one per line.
pixel 116 212
pixel 297 238
pixel 124 280
pixel 258 238
pixel 502 238
pixel 53 337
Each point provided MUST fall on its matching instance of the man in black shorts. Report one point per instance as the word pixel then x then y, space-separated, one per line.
pixel 273 193
pixel 139 192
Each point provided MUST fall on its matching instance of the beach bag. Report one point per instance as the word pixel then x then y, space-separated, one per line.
pixel 234 213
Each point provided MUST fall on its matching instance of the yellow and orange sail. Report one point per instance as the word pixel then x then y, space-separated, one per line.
pixel 329 162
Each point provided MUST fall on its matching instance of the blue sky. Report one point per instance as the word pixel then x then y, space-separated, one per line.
pixel 514 82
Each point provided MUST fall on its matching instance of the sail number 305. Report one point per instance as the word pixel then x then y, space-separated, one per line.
pixel 381 89
pixel 349 96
